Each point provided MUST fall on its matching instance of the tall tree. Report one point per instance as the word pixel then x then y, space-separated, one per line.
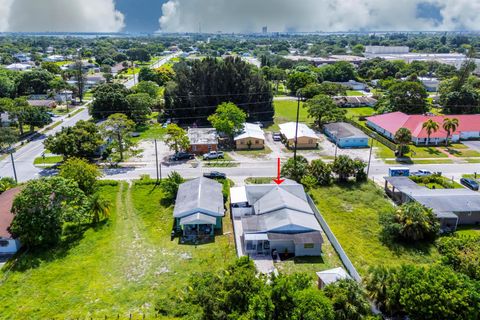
pixel 450 125
pixel 82 172
pixel 140 107
pixel 323 110
pixel 81 140
pixel 99 207
pixel 228 118
pixel 80 78
pixel 110 98
pixel 403 137
pixel 430 126
pixel 348 299
pixel 118 128
pixel 407 96
pixel 176 138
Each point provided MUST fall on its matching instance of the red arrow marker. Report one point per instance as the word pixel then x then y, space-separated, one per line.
pixel 278 180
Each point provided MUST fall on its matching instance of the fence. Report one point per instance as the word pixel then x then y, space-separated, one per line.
pixel 333 240
pixel 389 144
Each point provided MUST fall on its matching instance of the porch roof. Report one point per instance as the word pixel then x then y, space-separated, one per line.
pixel 256 236
pixel 198 218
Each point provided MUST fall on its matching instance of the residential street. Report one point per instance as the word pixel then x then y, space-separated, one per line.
pixel 131 82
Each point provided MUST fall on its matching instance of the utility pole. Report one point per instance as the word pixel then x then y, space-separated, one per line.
pixel 296 134
pixel 156 160
pixel 13 164
pixel 370 156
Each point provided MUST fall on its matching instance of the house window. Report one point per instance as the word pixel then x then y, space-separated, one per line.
pixel 310 141
pixel 3 243
pixel 194 148
pixel 308 245
pixel 242 142
pixel 257 142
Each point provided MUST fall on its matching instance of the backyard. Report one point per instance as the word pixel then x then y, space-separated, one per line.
pixel 124 266
pixel 352 212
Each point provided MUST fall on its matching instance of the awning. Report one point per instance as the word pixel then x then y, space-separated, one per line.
pixel 198 218
pixel 256 236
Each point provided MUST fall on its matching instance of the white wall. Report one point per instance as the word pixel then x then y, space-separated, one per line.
pixel 300 250
pixel 281 245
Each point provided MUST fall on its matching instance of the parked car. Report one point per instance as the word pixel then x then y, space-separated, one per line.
pixel 470 183
pixel 215 175
pixel 182 156
pixel 422 173
pixel 277 136
pixel 213 155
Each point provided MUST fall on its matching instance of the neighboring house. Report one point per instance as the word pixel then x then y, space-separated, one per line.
pixel 387 125
pixel 451 206
pixel 353 85
pixel 252 137
pixel 8 245
pixel 65 95
pixel 18 67
pixel 43 103
pixel 199 208
pixel 90 81
pixel 345 135
pixel 431 84
pixel 276 217
pixel 306 137
pixel 354 101
pixel 22 57
pixel 54 58
pixel 5 119
pixel 330 276
pixel 202 140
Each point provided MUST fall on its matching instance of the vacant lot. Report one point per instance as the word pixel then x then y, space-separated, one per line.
pixel 352 212
pixel 124 266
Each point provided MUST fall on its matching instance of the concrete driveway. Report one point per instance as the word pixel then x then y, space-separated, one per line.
pixel 474 145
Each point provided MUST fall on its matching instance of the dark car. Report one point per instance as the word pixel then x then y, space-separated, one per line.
pixel 215 175
pixel 182 156
pixel 469 183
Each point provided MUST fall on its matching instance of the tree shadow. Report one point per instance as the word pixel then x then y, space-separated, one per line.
pixel 71 237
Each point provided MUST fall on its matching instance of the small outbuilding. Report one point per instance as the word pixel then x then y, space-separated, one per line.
pixel 306 137
pixel 345 135
pixel 202 140
pixel 8 245
pixel 199 208
pixel 47 103
pixel 330 276
pixel 251 137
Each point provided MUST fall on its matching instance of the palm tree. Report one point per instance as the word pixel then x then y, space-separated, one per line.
pixel 99 207
pixel 450 126
pixel 403 136
pixel 431 127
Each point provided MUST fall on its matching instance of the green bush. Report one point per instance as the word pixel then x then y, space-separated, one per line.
pixel 7 183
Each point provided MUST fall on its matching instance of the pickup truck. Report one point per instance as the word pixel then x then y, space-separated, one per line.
pixel 213 155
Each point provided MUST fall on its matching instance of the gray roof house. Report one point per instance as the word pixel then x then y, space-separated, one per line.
pixel 199 208
pixel 346 135
pixel 451 206
pixel 276 217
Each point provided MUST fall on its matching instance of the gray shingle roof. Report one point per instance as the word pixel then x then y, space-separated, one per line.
pixel 279 198
pixel 199 195
pixel 344 130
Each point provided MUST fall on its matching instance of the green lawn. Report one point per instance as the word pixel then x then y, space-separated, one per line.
pixel 359 112
pixel 354 93
pixel 286 111
pixel 125 266
pixel 352 212
pixel 47 161
pixel 255 153
pixel 150 132
pixel 469 230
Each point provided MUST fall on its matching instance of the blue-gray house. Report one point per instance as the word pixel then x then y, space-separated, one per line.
pixel 345 135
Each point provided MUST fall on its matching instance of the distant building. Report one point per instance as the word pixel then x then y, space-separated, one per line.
pixel 354 101
pixel 346 135
pixel 18 67
pixel 252 137
pixel 202 140
pixel 386 50
pixel 431 84
pixel 22 57
pixel 48 103
pixel 353 85
pixel 8 245
pixel 264 29
pixel 452 207
pixel 387 125
pixel 306 137
pixel 54 58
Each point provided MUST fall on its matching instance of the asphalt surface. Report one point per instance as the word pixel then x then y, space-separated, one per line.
pixel 24 157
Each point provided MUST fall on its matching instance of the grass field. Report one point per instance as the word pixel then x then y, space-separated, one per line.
pixel 359 112
pixel 47 161
pixel 255 153
pixel 352 212
pixel 150 132
pixel 124 266
pixel 354 93
pixel 469 230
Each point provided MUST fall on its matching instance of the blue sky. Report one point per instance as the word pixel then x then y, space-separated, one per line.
pixel 140 15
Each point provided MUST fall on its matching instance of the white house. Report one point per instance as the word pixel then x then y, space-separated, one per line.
pixel 276 218
pixel 8 245
pixel 19 67
pixel 306 137
pixel 251 137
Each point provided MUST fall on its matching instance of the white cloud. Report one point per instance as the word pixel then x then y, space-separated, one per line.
pixel 60 15
pixel 315 15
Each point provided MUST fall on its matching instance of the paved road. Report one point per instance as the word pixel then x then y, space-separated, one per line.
pixel 25 156
pixel 130 83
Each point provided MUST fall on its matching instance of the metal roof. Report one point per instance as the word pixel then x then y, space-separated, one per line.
pixel 288 130
pixel 284 220
pixel 344 130
pixel 202 136
pixel 333 275
pixel 198 218
pixel 251 130
pixel 278 198
pixel 199 195
pixel 256 191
